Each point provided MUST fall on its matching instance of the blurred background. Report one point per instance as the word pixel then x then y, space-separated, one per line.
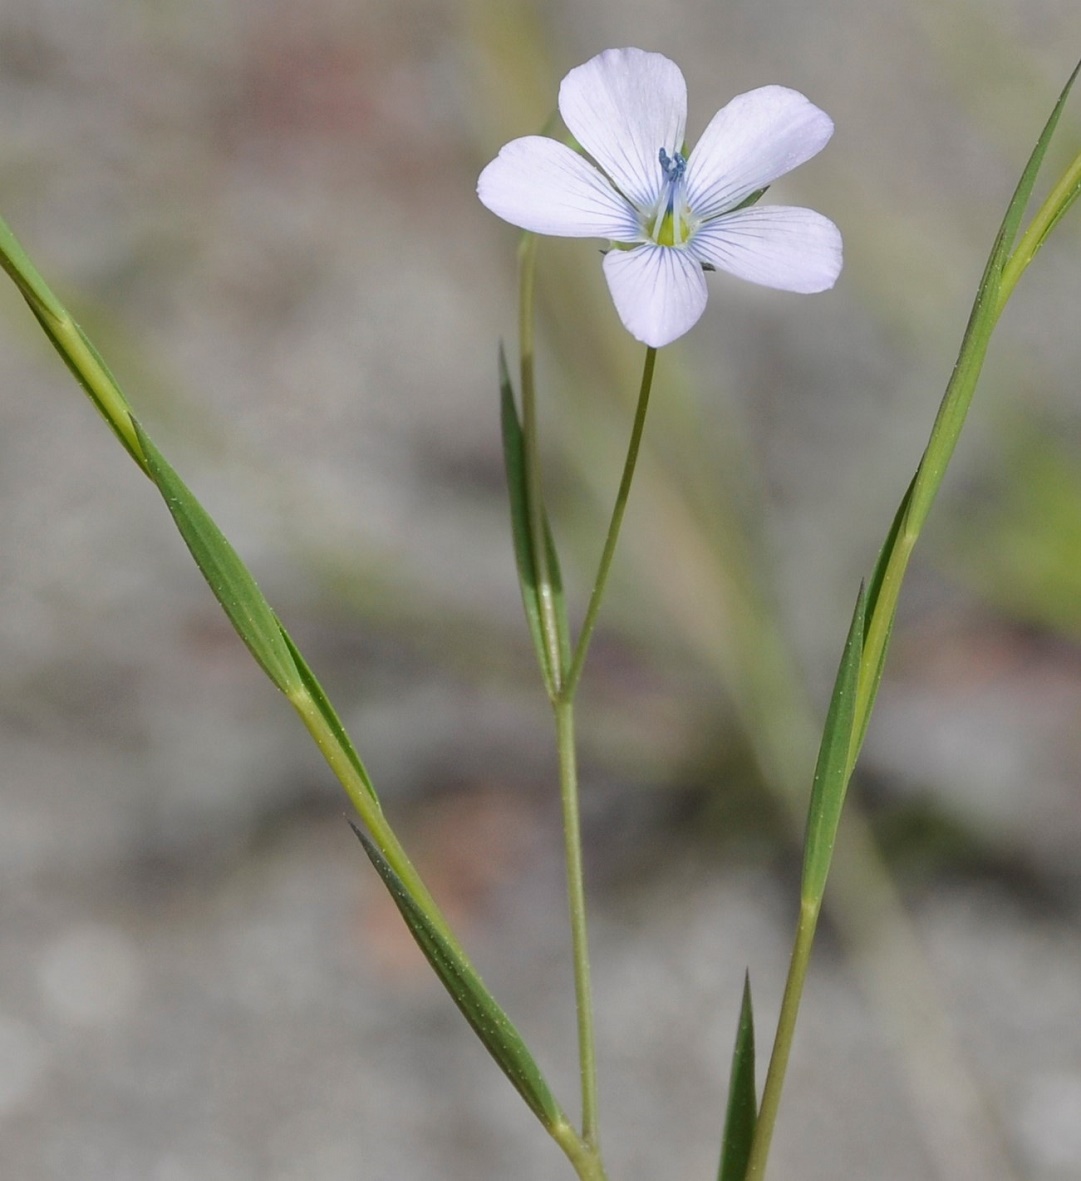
pixel 264 216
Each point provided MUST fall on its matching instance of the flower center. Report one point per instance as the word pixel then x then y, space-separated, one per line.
pixel 670 219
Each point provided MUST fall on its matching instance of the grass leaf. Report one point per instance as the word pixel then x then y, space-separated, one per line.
pixel 490 1023
pixel 517 488
pixel 742 1113
pixel 985 312
pixel 832 770
pixel 228 577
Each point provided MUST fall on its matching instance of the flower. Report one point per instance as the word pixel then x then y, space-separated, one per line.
pixel 670 214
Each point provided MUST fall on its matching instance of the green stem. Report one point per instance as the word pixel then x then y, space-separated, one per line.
pixel 80 356
pixel 782 1045
pixel 367 806
pixel 584 1157
pixel 582 1149
pixel 527 266
pixel 582 647
pixel 576 900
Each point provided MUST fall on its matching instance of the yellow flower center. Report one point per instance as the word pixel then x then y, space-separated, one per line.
pixel 672 229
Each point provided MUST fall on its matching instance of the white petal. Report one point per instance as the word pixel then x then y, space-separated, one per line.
pixel 775 245
pixel 544 186
pixel 659 292
pixel 623 106
pixel 756 138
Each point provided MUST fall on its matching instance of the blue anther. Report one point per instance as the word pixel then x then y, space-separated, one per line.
pixel 672 166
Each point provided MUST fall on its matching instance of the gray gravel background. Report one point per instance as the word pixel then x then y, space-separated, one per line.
pixel 264 216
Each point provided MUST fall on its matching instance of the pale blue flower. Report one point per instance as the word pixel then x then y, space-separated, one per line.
pixel 670 214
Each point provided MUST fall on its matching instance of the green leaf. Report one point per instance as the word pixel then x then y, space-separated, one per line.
pixel 228 577
pixel 985 312
pixel 69 340
pixel 1012 221
pixel 514 461
pixel 1058 202
pixel 742 1113
pixel 750 199
pixel 490 1023
pixel 877 601
pixel 998 281
pixel 832 770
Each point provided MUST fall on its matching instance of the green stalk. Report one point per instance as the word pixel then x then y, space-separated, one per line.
pixel 80 356
pixel 367 806
pixel 576 900
pixel 564 681
pixel 563 708
pixel 588 624
pixel 782 1043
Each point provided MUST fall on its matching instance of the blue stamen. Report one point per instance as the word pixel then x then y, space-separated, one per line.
pixel 673 166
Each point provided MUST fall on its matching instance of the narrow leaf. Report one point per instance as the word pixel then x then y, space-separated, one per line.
pixel 514 462
pixel 876 602
pixel 985 311
pixel 750 199
pixel 1058 201
pixel 999 278
pixel 1032 168
pixel 832 770
pixel 742 1113
pixel 228 577
pixel 490 1023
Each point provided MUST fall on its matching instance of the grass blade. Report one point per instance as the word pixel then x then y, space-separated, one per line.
pixel 990 300
pixel 833 771
pixel 999 278
pixel 517 488
pixel 228 577
pixel 490 1023
pixel 1058 202
pixel 742 1113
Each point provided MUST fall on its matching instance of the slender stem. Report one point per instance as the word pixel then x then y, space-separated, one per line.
pixel 581 649
pixel 572 840
pixel 568 770
pixel 367 805
pixel 782 1045
pixel 80 356
pixel 582 1149
pixel 527 265
pixel 563 684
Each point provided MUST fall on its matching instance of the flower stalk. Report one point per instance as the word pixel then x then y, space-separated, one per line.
pixel 581 648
